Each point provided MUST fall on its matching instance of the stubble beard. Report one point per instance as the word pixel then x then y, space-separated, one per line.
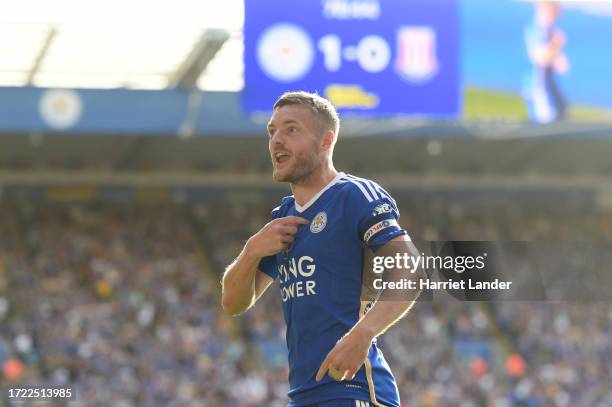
pixel 303 168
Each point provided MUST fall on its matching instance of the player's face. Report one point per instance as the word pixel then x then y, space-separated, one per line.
pixel 294 143
pixel 548 12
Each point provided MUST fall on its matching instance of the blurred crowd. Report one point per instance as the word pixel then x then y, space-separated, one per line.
pixel 121 303
pixel 113 301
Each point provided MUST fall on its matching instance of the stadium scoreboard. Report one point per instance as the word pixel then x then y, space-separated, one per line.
pixel 366 56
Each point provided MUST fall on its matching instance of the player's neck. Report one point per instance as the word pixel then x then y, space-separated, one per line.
pixel 306 189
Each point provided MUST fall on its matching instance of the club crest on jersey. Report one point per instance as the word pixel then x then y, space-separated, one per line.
pixel 318 222
pixel 382 209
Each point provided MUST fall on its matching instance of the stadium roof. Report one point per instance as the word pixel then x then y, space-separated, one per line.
pixel 143 44
pixel 139 44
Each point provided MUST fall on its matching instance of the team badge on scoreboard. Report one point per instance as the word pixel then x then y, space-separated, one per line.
pixel 417 60
pixel 285 52
pixel 318 222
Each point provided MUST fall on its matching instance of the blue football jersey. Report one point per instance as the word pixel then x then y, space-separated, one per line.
pixel 320 278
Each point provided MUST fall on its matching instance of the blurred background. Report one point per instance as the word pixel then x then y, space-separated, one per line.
pixel 134 165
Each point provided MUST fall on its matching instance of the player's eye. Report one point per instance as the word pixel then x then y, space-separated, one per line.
pixel 292 129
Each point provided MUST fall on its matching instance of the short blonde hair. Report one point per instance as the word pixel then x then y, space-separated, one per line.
pixel 321 107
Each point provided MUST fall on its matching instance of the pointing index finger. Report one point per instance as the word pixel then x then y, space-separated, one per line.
pixel 295 220
pixel 323 369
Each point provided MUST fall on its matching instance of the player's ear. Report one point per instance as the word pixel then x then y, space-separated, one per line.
pixel 329 139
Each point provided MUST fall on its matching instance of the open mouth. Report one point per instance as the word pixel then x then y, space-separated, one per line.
pixel 281 157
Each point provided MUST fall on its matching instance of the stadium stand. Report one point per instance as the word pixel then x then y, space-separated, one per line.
pixel 122 302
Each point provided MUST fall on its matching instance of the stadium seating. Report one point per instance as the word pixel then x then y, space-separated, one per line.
pixel 122 302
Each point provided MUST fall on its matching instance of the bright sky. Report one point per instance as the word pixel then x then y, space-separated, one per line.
pixel 112 43
pixel 128 43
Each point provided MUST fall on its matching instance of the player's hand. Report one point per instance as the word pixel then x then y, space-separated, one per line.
pixel 345 359
pixel 275 236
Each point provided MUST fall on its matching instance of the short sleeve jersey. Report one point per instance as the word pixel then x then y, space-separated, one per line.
pixel 320 279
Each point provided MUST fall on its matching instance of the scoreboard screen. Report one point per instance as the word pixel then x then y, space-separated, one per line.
pixel 375 57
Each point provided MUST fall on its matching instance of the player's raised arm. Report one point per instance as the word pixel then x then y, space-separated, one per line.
pixel 243 283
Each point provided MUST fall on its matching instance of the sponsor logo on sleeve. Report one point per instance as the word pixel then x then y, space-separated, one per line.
pixel 378 227
pixel 382 209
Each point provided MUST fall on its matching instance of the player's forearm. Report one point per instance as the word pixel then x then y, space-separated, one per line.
pixel 391 305
pixel 238 284
pixel 382 316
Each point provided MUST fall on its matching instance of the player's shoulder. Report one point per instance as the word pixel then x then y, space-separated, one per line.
pixel 281 209
pixel 362 189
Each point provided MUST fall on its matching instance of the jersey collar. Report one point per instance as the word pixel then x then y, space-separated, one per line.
pixel 302 208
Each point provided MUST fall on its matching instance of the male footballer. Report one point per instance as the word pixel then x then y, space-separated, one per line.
pixel 315 246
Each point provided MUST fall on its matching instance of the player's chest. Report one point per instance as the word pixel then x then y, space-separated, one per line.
pixel 326 227
pixel 315 244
